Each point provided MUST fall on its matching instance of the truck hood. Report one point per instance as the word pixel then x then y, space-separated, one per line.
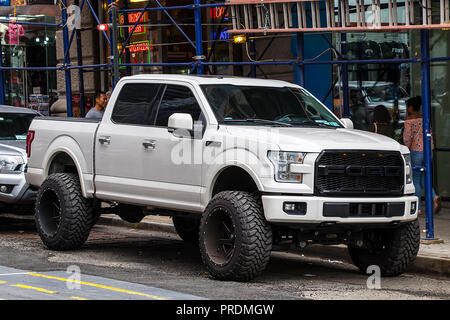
pixel 13 148
pixel 317 139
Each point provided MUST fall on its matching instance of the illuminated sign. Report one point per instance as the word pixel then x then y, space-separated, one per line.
pixel 138 50
pixel 224 35
pixel 132 19
pixel 218 12
pixel 140 46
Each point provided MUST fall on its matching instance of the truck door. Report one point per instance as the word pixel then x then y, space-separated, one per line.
pixel 120 158
pixel 179 161
pixel 136 159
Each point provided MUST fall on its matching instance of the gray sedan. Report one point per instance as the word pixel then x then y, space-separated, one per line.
pixel 15 194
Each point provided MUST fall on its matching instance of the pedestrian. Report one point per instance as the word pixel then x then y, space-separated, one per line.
pixel 382 122
pixel 358 110
pixel 108 95
pixel 413 139
pixel 100 104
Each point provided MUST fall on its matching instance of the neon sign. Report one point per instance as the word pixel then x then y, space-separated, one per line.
pixel 224 35
pixel 132 19
pixel 140 46
pixel 218 12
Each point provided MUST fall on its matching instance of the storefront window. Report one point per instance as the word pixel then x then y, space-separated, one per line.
pixel 29 46
pixel 375 88
pixel 377 85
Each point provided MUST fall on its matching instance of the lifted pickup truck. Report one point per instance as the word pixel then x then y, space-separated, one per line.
pixel 240 164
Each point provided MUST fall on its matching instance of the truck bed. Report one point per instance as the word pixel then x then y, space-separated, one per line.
pixel 75 136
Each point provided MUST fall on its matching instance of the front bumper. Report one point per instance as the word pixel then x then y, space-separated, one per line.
pixel 18 191
pixel 315 213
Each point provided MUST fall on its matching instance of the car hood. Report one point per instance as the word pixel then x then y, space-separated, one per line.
pixel 317 139
pixel 13 148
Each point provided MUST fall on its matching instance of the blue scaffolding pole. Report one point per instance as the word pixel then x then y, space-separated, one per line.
pixel 198 36
pixel 66 46
pixel 426 108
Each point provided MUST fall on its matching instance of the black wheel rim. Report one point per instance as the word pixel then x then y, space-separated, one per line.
pixel 220 236
pixel 50 212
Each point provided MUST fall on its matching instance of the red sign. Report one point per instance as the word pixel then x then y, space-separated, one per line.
pixel 137 47
pixel 217 12
pixel 132 19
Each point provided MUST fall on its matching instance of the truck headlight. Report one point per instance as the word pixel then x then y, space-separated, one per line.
pixel 11 164
pixel 281 161
pixel 408 169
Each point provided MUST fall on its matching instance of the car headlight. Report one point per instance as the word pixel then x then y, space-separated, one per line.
pixel 11 164
pixel 282 161
pixel 408 168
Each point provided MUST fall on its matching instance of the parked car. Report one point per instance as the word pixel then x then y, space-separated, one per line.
pixel 373 93
pixel 15 194
pixel 240 164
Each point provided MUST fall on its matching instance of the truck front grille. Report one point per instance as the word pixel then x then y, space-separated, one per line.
pixel 359 173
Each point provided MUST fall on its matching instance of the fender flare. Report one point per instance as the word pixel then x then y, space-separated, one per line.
pixel 77 158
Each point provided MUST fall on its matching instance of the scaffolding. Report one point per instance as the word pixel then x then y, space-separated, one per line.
pixel 270 16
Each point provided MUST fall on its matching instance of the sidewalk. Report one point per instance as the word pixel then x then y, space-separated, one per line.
pixel 432 258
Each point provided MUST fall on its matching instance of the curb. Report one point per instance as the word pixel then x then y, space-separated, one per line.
pixel 423 264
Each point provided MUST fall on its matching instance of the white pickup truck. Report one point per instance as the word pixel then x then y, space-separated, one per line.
pixel 240 164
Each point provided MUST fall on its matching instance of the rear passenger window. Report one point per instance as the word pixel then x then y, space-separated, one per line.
pixel 178 99
pixel 137 103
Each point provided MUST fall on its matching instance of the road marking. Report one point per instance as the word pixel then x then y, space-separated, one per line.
pixel 1 282
pixel 13 274
pixel 32 288
pixel 78 298
pixel 98 286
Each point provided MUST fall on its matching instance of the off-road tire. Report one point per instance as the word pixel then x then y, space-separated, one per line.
pixel 130 213
pixel 187 228
pixel 252 236
pixel 76 216
pixel 393 251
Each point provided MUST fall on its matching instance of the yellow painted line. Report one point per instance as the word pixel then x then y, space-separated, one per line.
pixel 32 288
pixel 98 286
pixel 78 298
pixel 1 282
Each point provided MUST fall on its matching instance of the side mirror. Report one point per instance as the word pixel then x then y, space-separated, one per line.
pixel 181 125
pixel 348 124
pixel 180 121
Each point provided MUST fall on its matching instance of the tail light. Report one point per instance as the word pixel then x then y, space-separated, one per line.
pixel 30 138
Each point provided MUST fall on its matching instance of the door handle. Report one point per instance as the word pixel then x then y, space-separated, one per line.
pixel 104 140
pixel 149 144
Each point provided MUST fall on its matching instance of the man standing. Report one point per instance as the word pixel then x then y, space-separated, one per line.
pixel 100 104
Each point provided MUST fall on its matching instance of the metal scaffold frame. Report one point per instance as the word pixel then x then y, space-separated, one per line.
pixel 201 61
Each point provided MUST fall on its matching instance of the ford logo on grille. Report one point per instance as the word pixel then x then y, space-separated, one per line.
pixel 359 171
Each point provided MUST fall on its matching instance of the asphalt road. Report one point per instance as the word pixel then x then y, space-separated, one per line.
pixel 122 263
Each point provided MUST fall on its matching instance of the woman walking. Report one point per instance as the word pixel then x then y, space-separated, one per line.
pixel 382 122
pixel 413 139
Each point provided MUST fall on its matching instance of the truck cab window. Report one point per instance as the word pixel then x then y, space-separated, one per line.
pixel 178 99
pixel 137 103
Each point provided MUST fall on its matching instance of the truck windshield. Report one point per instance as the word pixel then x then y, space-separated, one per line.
pixel 14 126
pixel 234 104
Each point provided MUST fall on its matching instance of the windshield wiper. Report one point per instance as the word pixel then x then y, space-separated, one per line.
pixel 312 122
pixel 260 120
